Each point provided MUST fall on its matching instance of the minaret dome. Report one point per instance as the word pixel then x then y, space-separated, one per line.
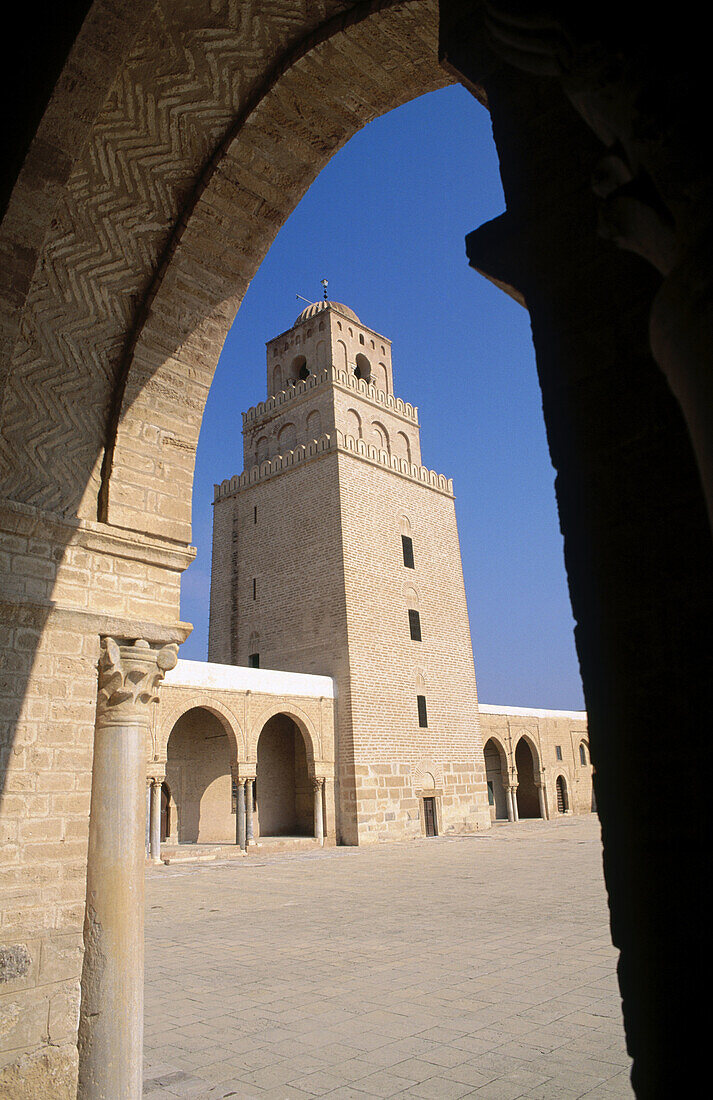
pixel 317 307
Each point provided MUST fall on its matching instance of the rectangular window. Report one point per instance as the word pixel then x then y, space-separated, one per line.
pixel 491 793
pixel 558 752
pixel 254 588
pixel 407 546
pixel 414 625
pixel 254 660
pixel 422 714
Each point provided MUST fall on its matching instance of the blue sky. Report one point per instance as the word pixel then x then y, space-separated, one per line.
pixel 385 223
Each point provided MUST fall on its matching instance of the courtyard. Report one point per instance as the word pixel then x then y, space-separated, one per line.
pixel 469 966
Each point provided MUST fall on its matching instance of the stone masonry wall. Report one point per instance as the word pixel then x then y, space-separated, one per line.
pixel 66 583
pixel 547 731
pixel 393 755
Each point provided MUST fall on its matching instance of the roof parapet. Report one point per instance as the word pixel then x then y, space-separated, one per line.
pixel 338 377
pixel 279 464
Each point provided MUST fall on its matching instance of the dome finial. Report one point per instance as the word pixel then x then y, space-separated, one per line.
pixel 325 284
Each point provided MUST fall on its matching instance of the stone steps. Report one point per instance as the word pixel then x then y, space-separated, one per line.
pixel 263 846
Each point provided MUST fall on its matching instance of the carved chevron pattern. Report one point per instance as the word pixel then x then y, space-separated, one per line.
pixel 190 70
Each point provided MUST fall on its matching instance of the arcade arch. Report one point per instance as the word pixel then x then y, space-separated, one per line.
pixel 198 773
pixel 527 766
pixel 284 798
pixel 496 774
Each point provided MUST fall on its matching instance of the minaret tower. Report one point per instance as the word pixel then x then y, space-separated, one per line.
pixel 336 552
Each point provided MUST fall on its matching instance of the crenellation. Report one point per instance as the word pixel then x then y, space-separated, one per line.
pixel 316 447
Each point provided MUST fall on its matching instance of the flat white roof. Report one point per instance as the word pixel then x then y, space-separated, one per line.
pixel 204 674
pixel 532 712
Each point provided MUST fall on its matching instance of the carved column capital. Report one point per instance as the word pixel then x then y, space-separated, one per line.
pixel 129 676
pixel 317 781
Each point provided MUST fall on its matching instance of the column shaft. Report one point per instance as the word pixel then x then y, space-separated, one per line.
pixel 240 838
pixel 111 1013
pixel 148 816
pixel 318 815
pixel 156 821
pixel 249 811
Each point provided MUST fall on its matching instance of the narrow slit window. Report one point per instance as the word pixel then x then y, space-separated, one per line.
pixel 422 713
pixel 255 514
pixel 407 545
pixel 414 624
pixel 254 588
pixel 558 752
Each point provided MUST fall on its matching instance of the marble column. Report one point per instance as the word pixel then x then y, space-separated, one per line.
pixel 509 800
pixel 240 836
pixel 156 820
pixel 515 813
pixel 317 785
pixel 249 810
pixel 148 815
pixel 111 1013
pixel 540 784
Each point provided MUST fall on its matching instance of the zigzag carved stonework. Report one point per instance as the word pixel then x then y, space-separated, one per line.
pixel 191 71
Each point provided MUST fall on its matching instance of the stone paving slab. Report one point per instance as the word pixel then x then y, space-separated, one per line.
pixel 443 968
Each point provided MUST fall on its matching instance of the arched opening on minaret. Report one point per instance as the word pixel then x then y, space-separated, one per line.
pixel 284 801
pixel 298 369
pixel 362 368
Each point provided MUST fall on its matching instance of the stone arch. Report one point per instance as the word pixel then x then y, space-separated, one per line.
pixel 283 788
pixel 223 713
pixel 353 424
pixel 380 377
pixel 562 797
pixel 402 446
pixel 527 764
pixel 312 740
pixel 298 369
pixel 410 596
pixel 342 359
pixel 496 775
pixel 287 437
pixel 380 436
pixel 199 764
pixel 314 424
pixel 262 449
pixel 362 367
pixel 427 775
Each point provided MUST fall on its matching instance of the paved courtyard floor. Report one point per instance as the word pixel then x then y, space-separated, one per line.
pixel 476 966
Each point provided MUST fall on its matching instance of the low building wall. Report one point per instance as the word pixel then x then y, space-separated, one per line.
pixel 554 743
